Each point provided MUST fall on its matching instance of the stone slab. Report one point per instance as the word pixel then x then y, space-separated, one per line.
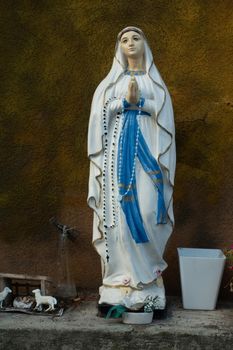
pixel 80 328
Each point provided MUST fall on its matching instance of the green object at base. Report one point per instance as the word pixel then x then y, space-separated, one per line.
pixel 116 311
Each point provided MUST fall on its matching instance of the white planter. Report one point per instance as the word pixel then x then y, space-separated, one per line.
pixel 201 274
pixel 137 317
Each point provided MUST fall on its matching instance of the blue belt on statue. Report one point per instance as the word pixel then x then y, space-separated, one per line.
pixel 142 112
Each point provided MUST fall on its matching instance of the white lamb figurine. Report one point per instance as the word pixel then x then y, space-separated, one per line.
pixel 44 300
pixel 4 294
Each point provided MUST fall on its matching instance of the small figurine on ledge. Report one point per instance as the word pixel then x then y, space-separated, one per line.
pixel 24 302
pixel 4 294
pixel 44 300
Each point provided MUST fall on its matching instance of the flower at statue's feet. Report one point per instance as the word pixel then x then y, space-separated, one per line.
pixel 126 280
pixel 151 303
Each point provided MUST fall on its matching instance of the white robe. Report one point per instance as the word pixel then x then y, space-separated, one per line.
pixel 134 269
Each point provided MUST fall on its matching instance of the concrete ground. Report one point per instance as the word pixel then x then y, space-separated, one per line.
pixel 80 328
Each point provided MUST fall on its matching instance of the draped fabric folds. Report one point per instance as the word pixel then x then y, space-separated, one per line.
pixel 130 203
pixel 131 196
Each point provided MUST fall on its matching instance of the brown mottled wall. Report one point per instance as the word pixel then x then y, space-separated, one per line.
pixel 53 55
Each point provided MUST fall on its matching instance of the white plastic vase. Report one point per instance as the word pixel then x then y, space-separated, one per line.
pixel 201 274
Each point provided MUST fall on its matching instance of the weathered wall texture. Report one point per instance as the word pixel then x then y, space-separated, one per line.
pixel 53 55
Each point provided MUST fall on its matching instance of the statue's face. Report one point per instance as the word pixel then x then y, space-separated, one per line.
pixel 132 45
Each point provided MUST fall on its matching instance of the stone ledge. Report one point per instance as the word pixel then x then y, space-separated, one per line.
pixel 82 329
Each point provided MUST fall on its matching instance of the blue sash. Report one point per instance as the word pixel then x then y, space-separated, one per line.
pixel 129 202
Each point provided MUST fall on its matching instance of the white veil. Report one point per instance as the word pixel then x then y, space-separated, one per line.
pixel 164 131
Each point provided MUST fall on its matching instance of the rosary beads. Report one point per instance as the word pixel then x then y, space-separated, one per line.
pixel 110 217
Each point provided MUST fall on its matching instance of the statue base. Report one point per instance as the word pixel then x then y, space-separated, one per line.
pixel 132 298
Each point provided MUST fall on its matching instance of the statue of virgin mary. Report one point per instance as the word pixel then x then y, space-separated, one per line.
pixel 131 147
